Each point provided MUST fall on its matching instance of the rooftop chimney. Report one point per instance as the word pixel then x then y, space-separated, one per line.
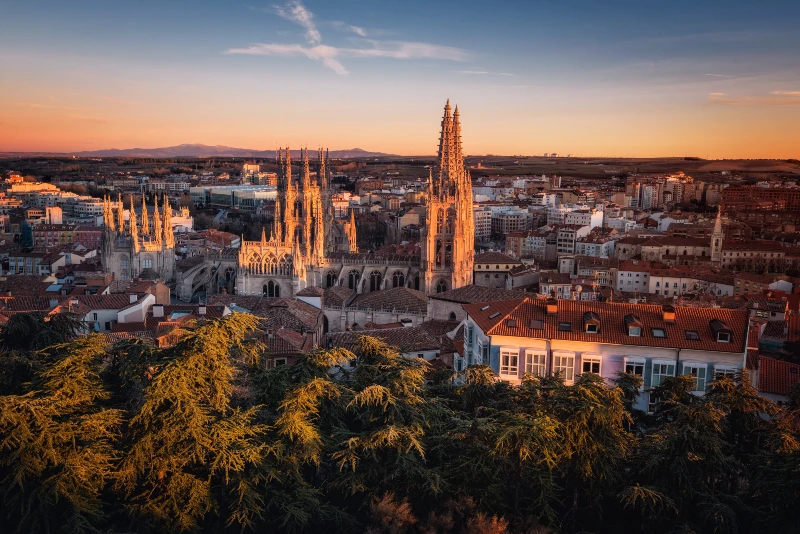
pixel 201 310
pixel 668 313
pixel 552 306
pixel 134 297
pixel 158 310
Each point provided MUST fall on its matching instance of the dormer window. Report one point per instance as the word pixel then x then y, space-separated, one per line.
pixel 591 323
pixel 720 331
pixel 633 325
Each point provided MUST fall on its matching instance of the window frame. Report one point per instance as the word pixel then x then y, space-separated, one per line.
pixel 726 370
pixel 635 361
pixel 701 368
pixel 558 365
pixel 506 368
pixel 592 359
pixel 532 364
pixel 660 375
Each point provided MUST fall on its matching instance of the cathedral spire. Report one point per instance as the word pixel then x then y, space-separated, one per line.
pixel 306 171
pixel 134 228
pixel 145 219
pixel 351 233
pixel 169 237
pixel 108 214
pixel 263 236
pixel 156 221
pixel 277 222
pixel 120 213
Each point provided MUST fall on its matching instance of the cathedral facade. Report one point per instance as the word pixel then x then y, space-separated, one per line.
pixel 308 247
pixel 138 250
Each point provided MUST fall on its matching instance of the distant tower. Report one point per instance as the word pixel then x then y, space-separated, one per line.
pixel 448 237
pixel 717 237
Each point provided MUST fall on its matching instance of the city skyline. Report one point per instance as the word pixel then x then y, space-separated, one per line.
pixel 717 81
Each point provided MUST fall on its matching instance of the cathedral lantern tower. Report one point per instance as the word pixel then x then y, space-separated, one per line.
pixel 448 237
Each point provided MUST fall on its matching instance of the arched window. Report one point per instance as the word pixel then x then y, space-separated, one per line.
pixel 229 272
pixel 147 263
pixel 330 279
pixel 272 289
pixel 124 263
pixel 451 221
pixel 285 265
pixel 452 316
pixel 375 280
pixel 416 282
pixel 352 279
pixel 440 220
pixel 439 259
pixel 448 253
pixel 441 286
pixel 398 279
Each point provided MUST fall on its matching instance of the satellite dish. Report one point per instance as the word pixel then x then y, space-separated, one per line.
pixel 578 289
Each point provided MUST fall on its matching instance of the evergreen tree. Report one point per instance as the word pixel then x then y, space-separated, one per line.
pixel 57 453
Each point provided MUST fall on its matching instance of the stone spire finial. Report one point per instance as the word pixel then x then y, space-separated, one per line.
pixel 120 213
pixel 263 236
pixel 169 237
pixel 145 218
pixel 134 228
pixel 157 235
pixel 306 171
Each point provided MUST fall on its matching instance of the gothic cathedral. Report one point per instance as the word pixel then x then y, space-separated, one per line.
pixel 308 247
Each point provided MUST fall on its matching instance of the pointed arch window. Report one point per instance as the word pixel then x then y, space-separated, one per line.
pixel 416 282
pixel 398 279
pixel 330 279
pixel 440 220
pixel 272 289
pixel 352 279
pixel 441 286
pixel 375 280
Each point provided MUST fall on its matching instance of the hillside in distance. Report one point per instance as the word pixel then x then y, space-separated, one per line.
pixel 219 151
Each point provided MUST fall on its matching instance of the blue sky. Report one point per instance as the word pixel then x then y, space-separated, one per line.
pixel 717 79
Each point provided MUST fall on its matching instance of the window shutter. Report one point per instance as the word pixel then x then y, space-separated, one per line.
pixel 648 372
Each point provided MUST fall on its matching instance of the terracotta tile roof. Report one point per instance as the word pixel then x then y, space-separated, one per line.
pixel 26 304
pixel 21 285
pixel 284 342
pixel 277 313
pixel 516 318
pixel 407 339
pixel 337 296
pixel 473 293
pixel 774 331
pixel 438 327
pixel 495 257
pixel 188 263
pixel 777 376
pixel 379 326
pixel 398 298
pixel 311 292
pixel 104 302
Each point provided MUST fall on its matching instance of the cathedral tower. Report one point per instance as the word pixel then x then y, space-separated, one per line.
pixel 449 234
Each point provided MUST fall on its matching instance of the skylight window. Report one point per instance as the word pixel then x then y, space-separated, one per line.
pixel 495 314
pixel 659 332
pixel 511 323
pixel 485 307
pixel 692 335
pixel 537 324
pixel 565 327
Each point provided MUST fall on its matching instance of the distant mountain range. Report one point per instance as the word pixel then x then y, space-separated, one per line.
pixel 202 151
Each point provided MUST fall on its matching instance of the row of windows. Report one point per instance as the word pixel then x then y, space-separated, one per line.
pixel 534 362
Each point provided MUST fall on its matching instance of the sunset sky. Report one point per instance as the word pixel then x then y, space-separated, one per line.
pixel 604 78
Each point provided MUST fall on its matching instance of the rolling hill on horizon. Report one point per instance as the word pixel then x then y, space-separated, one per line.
pixel 196 150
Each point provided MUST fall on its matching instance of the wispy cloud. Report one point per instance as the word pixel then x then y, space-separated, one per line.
pixel 295 11
pixel 785 98
pixel 44 106
pixel 717 75
pixel 377 49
